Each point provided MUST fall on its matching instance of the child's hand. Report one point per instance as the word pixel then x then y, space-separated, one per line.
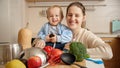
pixel 47 38
pixel 54 39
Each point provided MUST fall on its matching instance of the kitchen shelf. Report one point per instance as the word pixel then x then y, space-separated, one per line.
pixel 59 0
pixel 108 35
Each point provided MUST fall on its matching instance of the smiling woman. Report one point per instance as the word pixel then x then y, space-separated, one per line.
pixel 96 47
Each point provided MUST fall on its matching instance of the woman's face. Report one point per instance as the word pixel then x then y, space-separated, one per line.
pixel 74 17
pixel 54 16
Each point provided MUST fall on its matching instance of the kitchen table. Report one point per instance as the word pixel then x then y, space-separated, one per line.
pixel 88 64
pixel 2 66
pixel 62 65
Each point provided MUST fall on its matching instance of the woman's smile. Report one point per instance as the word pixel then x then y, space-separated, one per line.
pixel 74 17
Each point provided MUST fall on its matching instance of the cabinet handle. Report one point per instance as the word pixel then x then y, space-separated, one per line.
pixel 108 41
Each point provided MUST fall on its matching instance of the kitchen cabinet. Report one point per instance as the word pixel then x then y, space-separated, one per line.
pixel 115 45
pixel 59 0
pixel 5 32
pixel 12 18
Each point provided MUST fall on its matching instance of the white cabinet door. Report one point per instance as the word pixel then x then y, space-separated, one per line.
pixel 12 16
pixel 4 21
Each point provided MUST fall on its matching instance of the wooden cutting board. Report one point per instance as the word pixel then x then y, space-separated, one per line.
pixel 62 65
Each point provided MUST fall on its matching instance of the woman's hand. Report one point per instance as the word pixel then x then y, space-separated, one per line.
pixel 67 46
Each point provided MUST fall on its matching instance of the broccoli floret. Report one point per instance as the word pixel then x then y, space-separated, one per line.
pixel 79 51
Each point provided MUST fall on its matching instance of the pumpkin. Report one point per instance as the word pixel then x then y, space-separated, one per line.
pixel 25 37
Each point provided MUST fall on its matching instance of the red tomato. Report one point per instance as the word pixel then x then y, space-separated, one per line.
pixel 56 52
pixel 48 49
pixel 34 62
pixel 55 56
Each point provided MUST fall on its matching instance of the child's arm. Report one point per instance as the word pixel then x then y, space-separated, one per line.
pixel 41 33
pixel 65 37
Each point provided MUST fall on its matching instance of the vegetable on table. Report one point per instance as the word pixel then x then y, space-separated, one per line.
pixel 79 50
pixel 48 50
pixel 25 37
pixel 55 55
pixel 34 62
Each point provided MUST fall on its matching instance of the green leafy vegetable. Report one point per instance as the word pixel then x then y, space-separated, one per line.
pixel 79 50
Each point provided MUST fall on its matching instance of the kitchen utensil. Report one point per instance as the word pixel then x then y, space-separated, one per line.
pixel 54 58
pixel 69 59
pixel 97 61
pixel 34 51
pixel 16 49
pixel 51 35
pixel 5 52
pixel 9 51
pixel 51 62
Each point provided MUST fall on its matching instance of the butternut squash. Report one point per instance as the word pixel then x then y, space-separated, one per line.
pixel 25 37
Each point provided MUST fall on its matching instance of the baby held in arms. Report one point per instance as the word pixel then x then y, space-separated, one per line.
pixel 54 33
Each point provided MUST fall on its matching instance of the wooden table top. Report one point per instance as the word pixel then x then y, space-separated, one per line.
pixel 62 65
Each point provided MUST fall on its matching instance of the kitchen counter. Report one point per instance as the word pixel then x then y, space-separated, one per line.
pixel 62 65
pixel 108 35
pixel 89 64
pixel 2 66
pixel 103 35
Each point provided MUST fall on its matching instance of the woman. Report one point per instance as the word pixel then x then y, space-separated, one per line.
pixel 96 48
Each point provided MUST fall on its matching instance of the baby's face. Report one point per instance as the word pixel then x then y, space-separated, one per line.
pixel 54 16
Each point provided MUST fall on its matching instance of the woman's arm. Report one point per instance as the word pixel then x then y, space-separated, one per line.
pixel 104 51
pixel 97 48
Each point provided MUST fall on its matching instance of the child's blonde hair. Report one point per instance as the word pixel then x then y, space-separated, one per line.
pixel 61 12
